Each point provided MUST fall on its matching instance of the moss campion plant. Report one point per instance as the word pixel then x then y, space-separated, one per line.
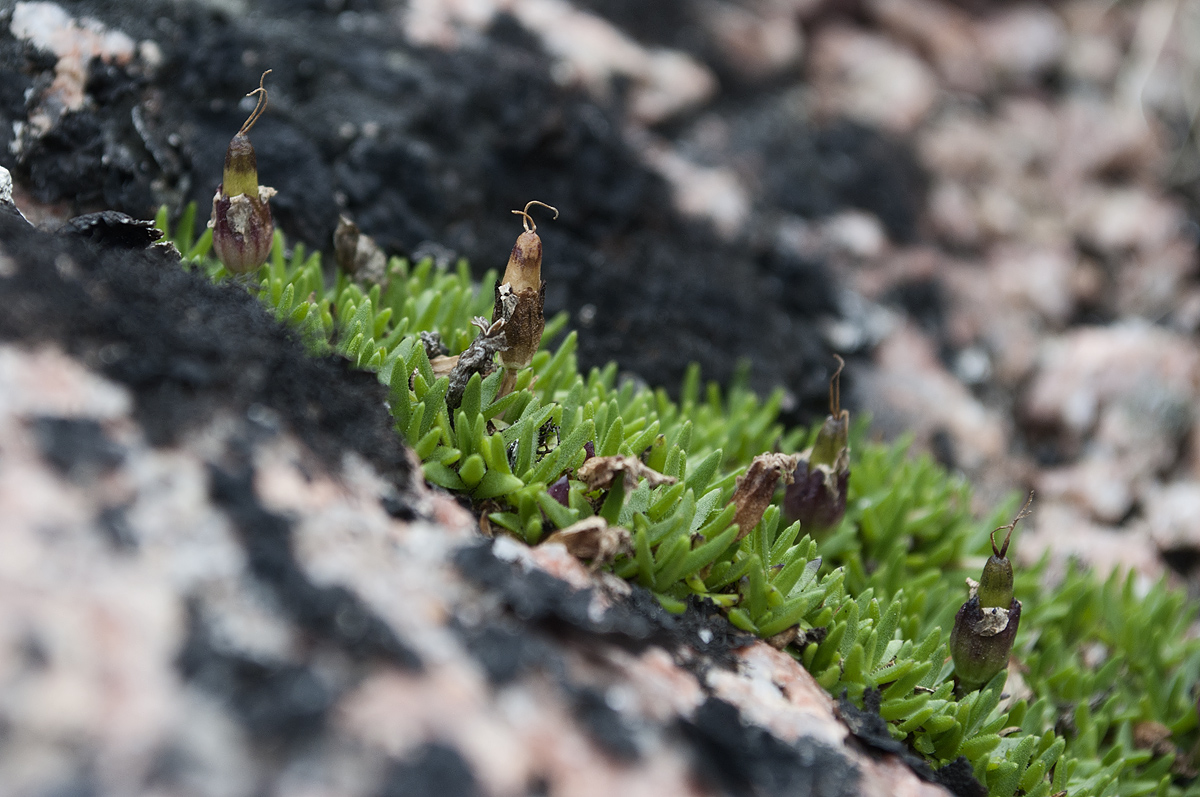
pixel 675 502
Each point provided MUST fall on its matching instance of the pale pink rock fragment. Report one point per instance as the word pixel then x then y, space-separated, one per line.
pixel 870 79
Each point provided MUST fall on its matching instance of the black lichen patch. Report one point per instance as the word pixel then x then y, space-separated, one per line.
pixel 19 61
pixel 538 599
pixel 331 613
pixel 604 724
pixel 397 507
pixel 959 778
pixel 668 23
pixel 1184 560
pixel 505 651
pixel 744 759
pixel 188 349
pixel 706 629
pixel 866 725
pixel 113 522
pixel 924 299
pixel 76 447
pixel 94 157
pixel 277 701
pixel 434 770
pixel 33 653
pixel 110 228
pixel 544 612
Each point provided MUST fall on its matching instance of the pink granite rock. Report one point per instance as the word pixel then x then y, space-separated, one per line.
pixel 870 79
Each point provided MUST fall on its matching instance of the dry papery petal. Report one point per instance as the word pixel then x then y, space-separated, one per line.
pixel 442 365
pixel 593 539
pixel 599 473
pixel 756 487
pixel 358 254
pixel 522 312
pixel 992 621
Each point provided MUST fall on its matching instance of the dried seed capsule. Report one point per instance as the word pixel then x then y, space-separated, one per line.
pixel 817 495
pixel 986 625
pixel 520 298
pixel 241 218
pixel 358 254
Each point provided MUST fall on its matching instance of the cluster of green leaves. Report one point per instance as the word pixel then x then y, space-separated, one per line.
pixel 874 600
pixel 1097 657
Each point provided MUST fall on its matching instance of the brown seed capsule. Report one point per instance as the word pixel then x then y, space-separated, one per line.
pixel 817 495
pixel 243 230
pixel 986 625
pixel 521 296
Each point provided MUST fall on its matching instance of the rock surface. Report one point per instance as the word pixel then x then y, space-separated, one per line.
pixel 954 195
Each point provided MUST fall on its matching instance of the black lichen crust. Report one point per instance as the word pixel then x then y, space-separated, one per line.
pixel 76 447
pixel 110 228
pixel 186 348
pixel 433 770
pixel 331 613
pixel 869 728
pixel 540 600
pixel 743 759
pixel 959 778
pixel 278 702
pixel 506 649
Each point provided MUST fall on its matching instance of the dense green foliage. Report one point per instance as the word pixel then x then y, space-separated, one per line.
pixel 1097 657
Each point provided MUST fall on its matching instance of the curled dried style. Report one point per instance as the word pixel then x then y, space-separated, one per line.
pixel 520 299
pixel 996 583
pixel 816 496
pixel 986 625
pixel 243 230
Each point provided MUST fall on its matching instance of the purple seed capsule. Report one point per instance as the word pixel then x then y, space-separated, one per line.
pixel 243 231
pixel 986 625
pixel 817 495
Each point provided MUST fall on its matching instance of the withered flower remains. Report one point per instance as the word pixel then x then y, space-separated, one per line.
pixel 986 625
pixel 755 488
pixel 817 495
pixel 593 539
pixel 520 298
pixel 241 218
